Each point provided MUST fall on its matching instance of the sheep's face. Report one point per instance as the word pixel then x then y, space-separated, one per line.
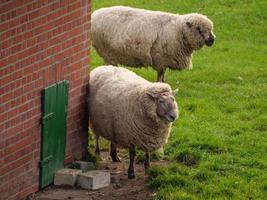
pixel 165 105
pixel 198 31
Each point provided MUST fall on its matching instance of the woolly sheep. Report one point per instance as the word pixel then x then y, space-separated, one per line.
pixel 130 111
pixel 137 37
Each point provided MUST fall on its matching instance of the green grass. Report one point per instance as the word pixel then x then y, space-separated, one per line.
pixel 218 146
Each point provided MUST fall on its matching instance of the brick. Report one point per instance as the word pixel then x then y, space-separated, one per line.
pixel 66 177
pixel 25 150
pixel 24 193
pixel 42 42
pixel 16 146
pixel 14 165
pixel 94 180
pixel 12 5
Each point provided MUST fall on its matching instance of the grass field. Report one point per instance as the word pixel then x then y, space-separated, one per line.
pixel 218 146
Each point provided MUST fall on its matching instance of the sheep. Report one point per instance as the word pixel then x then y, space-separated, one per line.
pixel 130 111
pixel 137 37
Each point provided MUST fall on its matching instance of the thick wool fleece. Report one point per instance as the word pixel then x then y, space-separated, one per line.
pixel 137 37
pixel 122 111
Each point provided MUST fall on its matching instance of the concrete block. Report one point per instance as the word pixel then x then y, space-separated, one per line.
pixel 66 177
pixel 85 166
pixel 94 180
pixel 107 166
pixel 115 176
pixel 102 165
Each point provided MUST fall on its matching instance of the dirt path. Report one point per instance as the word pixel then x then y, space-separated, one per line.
pixel 123 190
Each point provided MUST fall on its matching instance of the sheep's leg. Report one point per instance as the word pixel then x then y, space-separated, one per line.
pixel 147 160
pixel 160 77
pixel 97 149
pixel 113 152
pixel 131 174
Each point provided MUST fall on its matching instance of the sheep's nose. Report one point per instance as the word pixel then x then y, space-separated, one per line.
pixel 171 117
pixel 209 42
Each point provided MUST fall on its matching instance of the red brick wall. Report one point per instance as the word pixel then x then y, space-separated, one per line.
pixel 41 42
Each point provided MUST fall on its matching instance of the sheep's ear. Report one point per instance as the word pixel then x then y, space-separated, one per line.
pixel 175 92
pixel 153 95
pixel 189 24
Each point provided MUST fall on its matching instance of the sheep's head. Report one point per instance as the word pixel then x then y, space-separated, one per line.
pixel 164 104
pixel 197 31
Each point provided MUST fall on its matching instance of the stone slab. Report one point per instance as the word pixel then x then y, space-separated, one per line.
pixel 85 166
pixel 94 179
pixel 115 176
pixel 66 177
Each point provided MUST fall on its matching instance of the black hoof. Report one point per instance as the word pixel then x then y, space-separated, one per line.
pixel 131 176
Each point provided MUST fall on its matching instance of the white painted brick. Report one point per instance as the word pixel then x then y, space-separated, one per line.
pixel 94 180
pixel 66 177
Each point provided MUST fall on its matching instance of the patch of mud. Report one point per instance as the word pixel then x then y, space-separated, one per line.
pixel 125 189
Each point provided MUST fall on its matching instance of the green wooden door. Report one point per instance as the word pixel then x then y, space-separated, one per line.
pixel 53 140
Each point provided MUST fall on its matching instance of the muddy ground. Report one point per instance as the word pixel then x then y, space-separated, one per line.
pixel 125 189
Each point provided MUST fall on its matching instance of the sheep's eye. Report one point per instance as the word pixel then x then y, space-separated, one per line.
pixel 199 30
pixel 161 101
